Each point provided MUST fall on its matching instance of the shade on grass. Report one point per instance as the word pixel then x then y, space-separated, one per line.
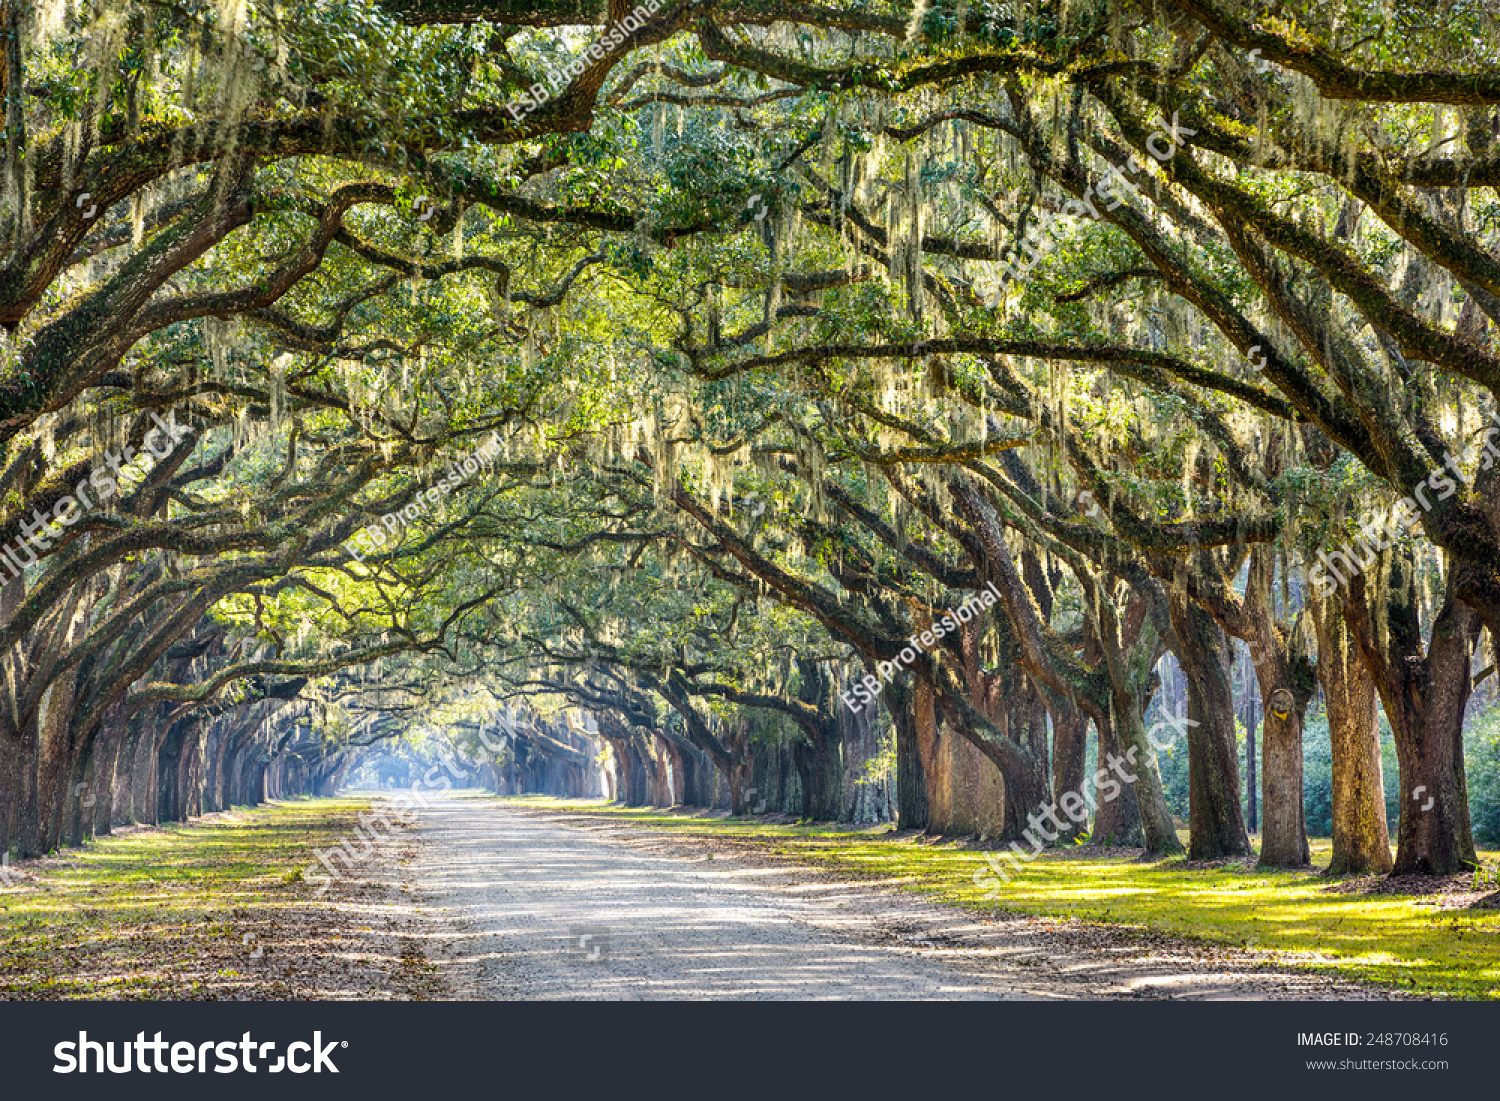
pixel 170 912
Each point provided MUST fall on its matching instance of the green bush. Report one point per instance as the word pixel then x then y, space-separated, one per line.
pixel 1317 774
pixel 1173 764
pixel 1482 766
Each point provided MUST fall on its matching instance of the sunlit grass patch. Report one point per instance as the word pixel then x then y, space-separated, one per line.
pixel 173 912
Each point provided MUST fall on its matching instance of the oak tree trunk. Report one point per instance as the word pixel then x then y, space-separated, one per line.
pixel 1425 697
pixel 1361 839
pixel 911 781
pixel 1216 826
pixel 1283 697
pixel 1069 750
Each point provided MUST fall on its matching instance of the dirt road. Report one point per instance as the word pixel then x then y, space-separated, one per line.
pixel 520 905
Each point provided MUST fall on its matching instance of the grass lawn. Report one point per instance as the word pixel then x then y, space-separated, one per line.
pixel 215 909
pixel 1428 944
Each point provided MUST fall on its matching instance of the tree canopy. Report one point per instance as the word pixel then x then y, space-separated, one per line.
pixel 791 327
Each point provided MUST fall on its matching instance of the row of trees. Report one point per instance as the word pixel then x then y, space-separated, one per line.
pixel 739 305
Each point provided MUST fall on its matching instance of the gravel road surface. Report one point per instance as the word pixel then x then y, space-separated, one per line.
pixel 522 904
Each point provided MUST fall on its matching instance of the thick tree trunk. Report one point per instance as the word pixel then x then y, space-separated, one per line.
pixel 255 793
pixel 743 790
pixel 106 767
pixel 1283 842
pixel 12 739
pixel 682 785
pixel 82 797
pixel 820 767
pixel 818 757
pixel 190 780
pixel 1070 730
pixel 236 769
pixel 143 807
pixel 1117 821
pixel 168 775
pixel 1361 839
pixel 213 780
pixel 641 792
pixel 1216 827
pixel 869 780
pixel 911 781
pixel 1251 718
pixel 996 795
pixel 10 790
pixel 1435 835
pixel 1018 712
pixel 1425 698
pixel 661 782
pixel 761 794
pixel 29 825
pixel 967 793
pixel 1129 753
pixel 1137 760
pixel 56 767
pixel 705 777
pixel 935 765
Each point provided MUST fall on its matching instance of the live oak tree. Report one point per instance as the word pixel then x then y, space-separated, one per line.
pixel 752 262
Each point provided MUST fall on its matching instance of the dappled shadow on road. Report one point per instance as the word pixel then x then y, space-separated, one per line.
pixel 536 910
pixel 526 906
